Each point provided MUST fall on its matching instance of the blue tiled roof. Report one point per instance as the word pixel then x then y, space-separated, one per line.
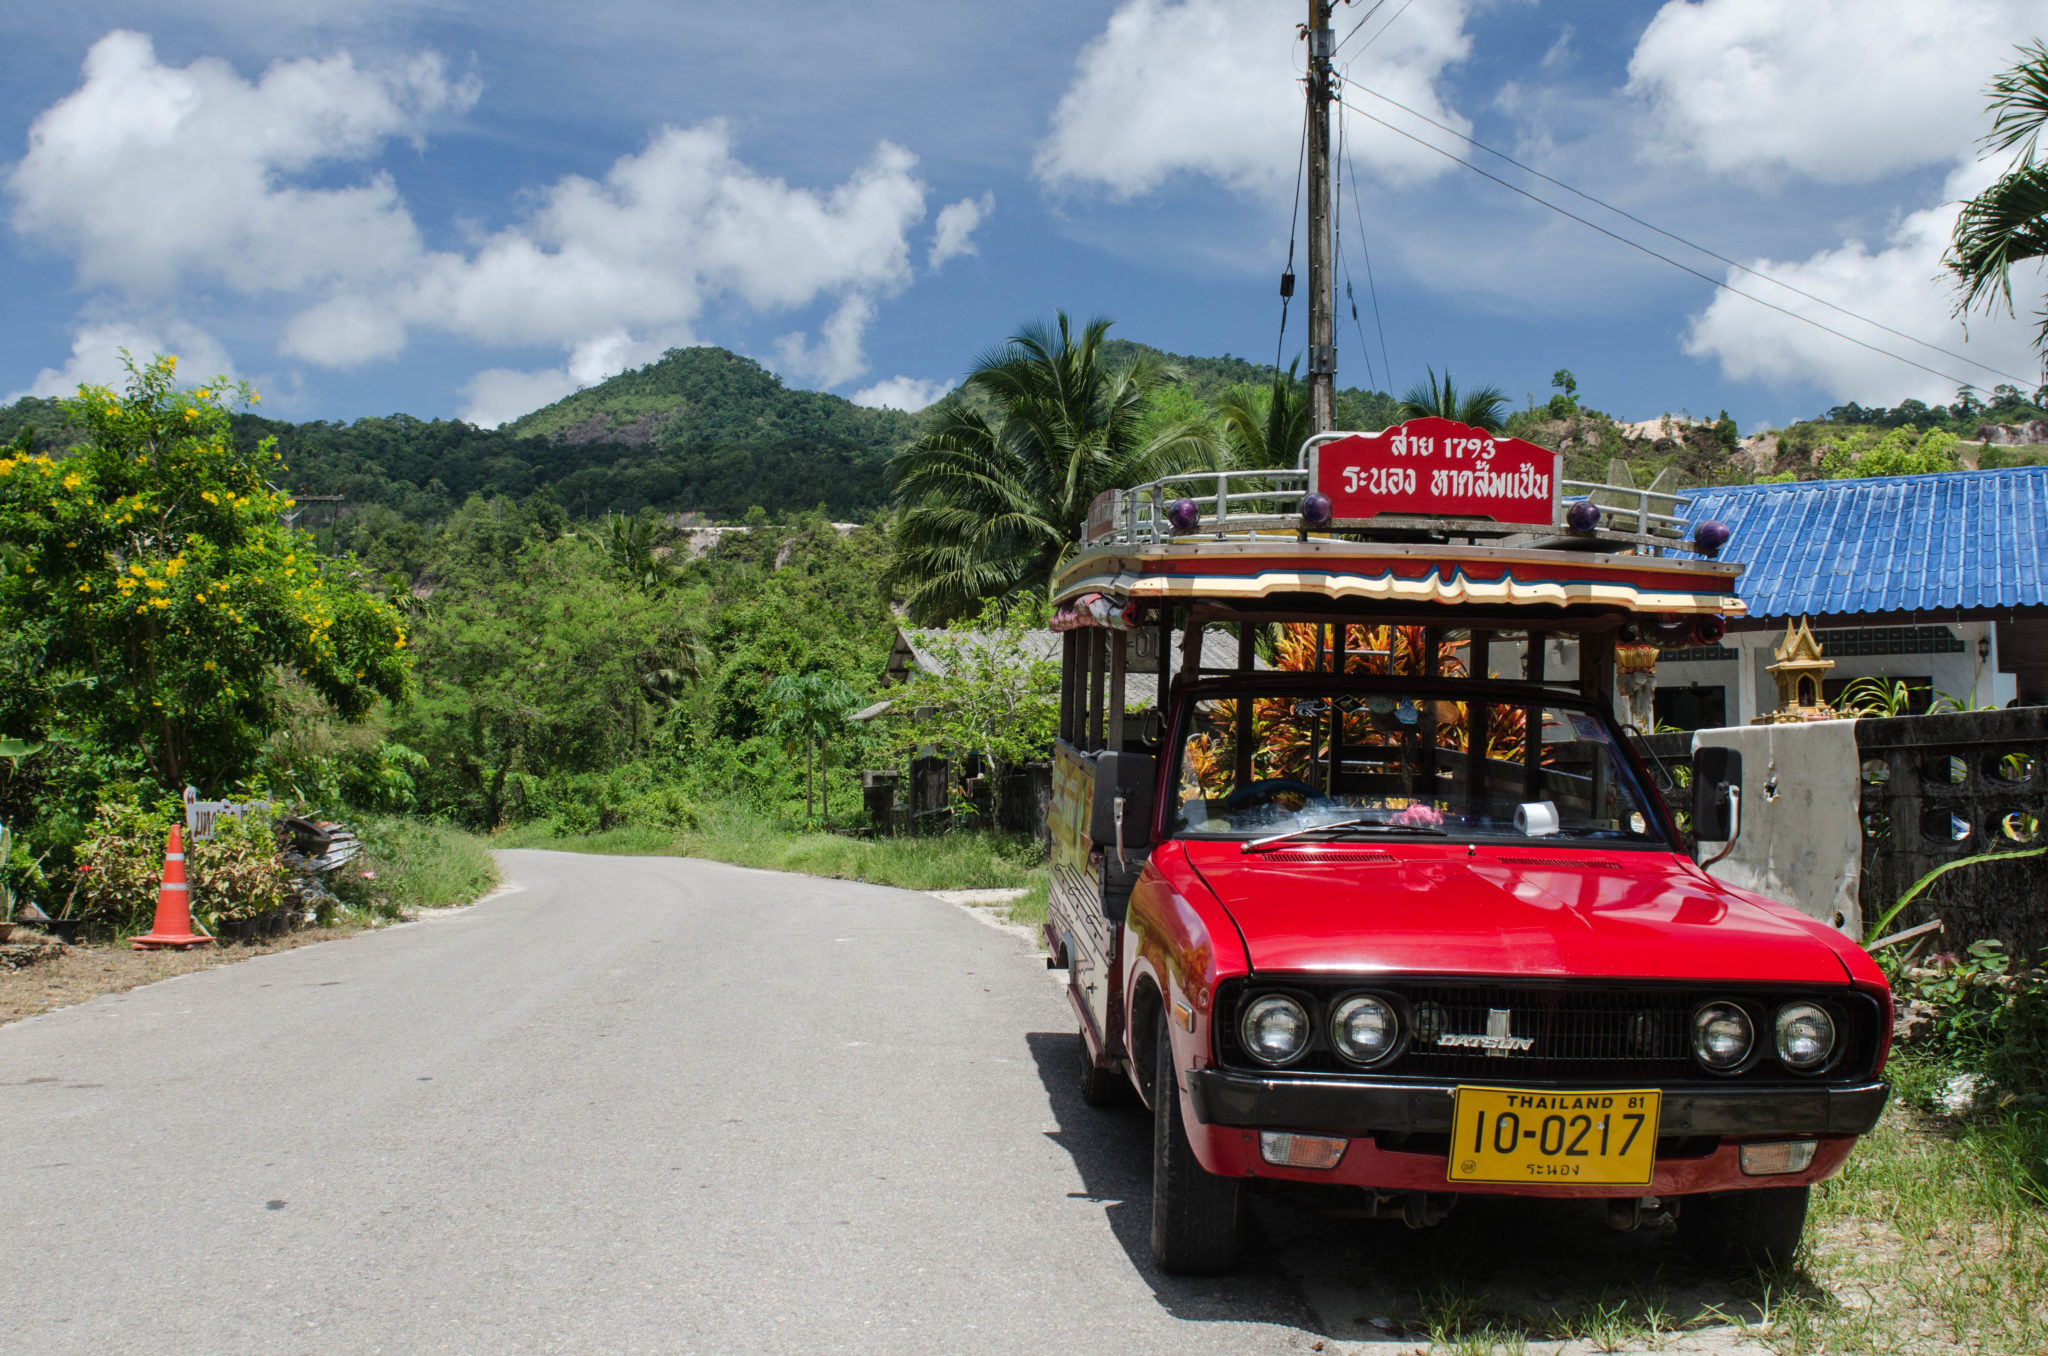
pixel 1959 539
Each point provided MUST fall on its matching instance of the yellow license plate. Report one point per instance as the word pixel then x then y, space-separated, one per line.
pixel 1515 1135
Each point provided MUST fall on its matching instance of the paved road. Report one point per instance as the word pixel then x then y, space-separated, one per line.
pixel 637 1105
pixel 654 1105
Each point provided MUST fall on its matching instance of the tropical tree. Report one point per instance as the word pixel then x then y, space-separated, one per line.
pixel 2007 223
pixel 152 597
pixel 1266 425
pixel 810 709
pixel 995 493
pixel 1481 409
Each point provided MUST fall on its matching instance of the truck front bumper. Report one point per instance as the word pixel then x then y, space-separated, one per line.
pixel 1338 1106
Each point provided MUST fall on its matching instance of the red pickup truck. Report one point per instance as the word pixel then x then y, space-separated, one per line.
pixel 1362 909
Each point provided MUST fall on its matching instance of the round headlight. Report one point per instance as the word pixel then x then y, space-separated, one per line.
pixel 1721 1036
pixel 1364 1029
pixel 1274 1029
pixel 1806 1036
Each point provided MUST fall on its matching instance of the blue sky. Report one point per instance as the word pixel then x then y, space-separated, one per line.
pixel 452 209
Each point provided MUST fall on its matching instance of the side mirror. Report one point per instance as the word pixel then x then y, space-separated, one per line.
pixel 1121 817
pixel 1716 796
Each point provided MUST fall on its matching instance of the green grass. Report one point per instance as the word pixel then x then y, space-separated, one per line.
pixel 958 861
pixel 416 864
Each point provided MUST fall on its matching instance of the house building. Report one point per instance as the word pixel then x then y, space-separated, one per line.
pixel 1938 581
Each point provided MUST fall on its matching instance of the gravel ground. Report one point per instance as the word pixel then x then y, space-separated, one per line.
pixel 77 973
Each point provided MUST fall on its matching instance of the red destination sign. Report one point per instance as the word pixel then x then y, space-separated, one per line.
pixel 1436 468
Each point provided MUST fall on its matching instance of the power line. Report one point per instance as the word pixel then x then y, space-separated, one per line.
pixel 1337 234
pixel 1293 225
pixel 1380 33
pixel 1371 287
pixel 1362 20
pixel 1638 245
pixel 1689 244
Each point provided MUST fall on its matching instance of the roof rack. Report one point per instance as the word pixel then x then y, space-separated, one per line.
pixel 1266 505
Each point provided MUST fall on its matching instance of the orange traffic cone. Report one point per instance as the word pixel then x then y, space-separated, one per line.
pixel 173 904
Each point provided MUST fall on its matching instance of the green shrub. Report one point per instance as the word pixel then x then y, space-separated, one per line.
pixel 120 866
pixel 236 874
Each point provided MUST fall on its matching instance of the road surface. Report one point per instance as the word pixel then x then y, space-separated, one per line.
pixel 630 1105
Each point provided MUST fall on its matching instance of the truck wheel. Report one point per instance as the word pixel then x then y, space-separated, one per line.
pixel 1194 1212
pixel 1101 1087
pixel 1760 1227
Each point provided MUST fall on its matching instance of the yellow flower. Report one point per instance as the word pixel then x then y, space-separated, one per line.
pixel 73 481
pixel 208 666
pixel 85 588
pixel 137 571
pixel 153 583
pixel 159 602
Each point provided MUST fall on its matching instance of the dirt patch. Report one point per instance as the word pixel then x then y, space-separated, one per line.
pixel 76 973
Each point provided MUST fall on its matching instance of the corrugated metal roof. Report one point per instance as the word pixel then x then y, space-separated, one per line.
pixel 1928 543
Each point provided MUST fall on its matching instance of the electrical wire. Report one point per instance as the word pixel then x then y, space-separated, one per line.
pixel 1380 33
pixel 1293 225
pixel 1684 267
pixel 1363 19
pixel 1674 236
pixel 1371 287
pixel 1343 260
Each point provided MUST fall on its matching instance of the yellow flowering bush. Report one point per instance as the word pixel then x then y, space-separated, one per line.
pixel 145 602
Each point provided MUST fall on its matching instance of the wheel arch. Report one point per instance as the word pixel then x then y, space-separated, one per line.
pixel 1147 1007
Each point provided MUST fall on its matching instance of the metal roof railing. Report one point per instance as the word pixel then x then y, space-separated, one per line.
pixel 1266 505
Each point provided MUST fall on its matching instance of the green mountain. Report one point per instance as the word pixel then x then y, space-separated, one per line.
pixel 700 429
pixel 696 396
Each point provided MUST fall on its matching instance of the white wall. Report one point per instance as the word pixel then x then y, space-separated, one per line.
pixel 1751 690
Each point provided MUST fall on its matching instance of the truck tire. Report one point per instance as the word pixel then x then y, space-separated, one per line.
pixel 1760 1227
pixel 1101 1087
pixel 1194 1212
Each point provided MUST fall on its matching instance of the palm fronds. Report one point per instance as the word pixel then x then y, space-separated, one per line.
pixel 994 494
pixel 1480 409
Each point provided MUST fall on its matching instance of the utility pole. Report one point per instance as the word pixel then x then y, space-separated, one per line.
pixel 1322 326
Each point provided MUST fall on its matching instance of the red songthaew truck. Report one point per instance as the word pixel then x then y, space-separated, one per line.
pixel 1377 894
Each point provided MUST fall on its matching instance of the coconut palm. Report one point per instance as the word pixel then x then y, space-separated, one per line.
pixel 1481 409
pixel 995 493
pixel 1266 425
pixel 2007 223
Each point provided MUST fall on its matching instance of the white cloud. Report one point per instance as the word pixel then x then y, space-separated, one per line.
pixel 837 356
pixel 1212 87
pixel 1901 284
pixel 953 232
pixel 163 181
pixel 1843 91
pixel 153 178
pixel 96 357
pixel 902 393
pixel 501 394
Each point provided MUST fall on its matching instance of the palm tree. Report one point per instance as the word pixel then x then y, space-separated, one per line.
pixel 1481 409
pixel 2007 223
pixel 1266 426
pixel 995 493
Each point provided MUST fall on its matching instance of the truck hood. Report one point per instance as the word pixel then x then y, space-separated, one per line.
pixel 1437 909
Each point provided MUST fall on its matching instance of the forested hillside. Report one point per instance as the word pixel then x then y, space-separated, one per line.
pixel 701 430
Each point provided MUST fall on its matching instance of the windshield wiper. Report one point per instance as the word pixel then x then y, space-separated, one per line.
pixel 1374 825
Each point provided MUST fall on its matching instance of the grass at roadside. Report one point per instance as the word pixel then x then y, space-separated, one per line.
pixel 416 864
pixel 958 861
pixel 1935 1238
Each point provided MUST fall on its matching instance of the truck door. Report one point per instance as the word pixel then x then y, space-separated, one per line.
pixel 1091 881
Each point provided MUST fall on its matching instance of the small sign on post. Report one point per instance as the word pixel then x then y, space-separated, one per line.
pixel 1436 468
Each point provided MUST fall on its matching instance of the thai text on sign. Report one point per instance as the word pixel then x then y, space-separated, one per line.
pixel 1436 468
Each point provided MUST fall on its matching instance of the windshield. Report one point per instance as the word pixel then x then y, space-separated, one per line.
pixel 1399 761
